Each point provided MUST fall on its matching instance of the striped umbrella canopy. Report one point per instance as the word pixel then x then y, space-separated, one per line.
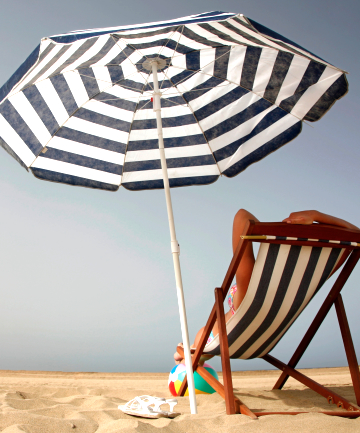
pixel 215 92
pixel 79 111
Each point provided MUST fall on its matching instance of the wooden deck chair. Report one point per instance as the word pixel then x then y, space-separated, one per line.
pixel 292 264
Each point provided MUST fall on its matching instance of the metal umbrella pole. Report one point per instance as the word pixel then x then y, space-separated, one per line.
pixel 174 243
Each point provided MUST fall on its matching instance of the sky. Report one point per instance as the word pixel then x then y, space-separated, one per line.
pixel 87 275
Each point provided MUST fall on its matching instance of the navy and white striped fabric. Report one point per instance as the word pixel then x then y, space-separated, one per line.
pixel 79 110
pixel 284 280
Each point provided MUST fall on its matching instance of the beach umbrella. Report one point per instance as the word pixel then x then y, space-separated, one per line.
pixel 160 105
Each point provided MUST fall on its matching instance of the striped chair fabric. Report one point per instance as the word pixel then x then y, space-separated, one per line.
pixel 285 278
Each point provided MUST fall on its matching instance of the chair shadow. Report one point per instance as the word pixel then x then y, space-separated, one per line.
pixel 292 400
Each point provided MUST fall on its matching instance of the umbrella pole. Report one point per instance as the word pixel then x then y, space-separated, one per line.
pixel 174 245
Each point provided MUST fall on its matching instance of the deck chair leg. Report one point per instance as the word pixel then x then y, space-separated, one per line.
pixel 349 346
pixel 233 404
pixel 240 407
pixel 331 396
pixel 319 318
pixel 224 350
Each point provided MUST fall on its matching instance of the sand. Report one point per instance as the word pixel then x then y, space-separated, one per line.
pixel 57 402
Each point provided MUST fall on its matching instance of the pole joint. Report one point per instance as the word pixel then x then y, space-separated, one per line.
pixel 156 101
pixel 175 247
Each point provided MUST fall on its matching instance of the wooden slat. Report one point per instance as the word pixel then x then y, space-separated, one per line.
pixel 313 231
pixel 304 243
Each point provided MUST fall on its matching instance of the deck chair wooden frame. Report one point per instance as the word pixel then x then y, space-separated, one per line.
pixel 315 235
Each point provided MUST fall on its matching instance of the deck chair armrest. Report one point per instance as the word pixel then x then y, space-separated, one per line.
pixel 313 231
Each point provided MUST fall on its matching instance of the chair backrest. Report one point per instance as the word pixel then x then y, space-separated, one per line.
pixel 284 280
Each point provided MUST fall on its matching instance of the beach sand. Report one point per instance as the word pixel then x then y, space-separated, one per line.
pixel 57 402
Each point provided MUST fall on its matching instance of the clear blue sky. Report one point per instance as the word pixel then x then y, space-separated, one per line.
pixel 87 279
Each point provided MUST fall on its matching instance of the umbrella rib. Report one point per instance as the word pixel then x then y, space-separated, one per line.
pixel 159 53
pixel 147 102
pixel 131 123
pixel 236 84
pixel 174 51
pixel 175 31
pixel 200 70
pixel 128 58
pixel 198 123
pixel 82 105
pixel 84 75
pixel 293 49
pixel 143 55
pixel 117 83
pixel 64 123
pixel 203 88
pixel 250 90
pixel 128 97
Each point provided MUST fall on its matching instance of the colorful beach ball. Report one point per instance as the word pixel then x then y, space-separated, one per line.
pixel 178 373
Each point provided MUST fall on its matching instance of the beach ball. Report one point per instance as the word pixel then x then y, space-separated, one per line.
pixel 178 373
